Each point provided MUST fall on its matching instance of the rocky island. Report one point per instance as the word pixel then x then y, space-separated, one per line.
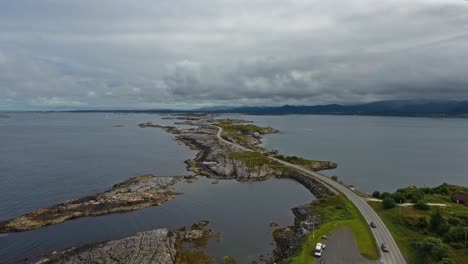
pixel 135 193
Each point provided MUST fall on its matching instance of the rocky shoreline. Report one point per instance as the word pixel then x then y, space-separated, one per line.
pixel 135 193
pixel 160 246
pixel 214 159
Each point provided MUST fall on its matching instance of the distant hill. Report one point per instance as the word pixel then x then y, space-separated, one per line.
pixel 380 108
pixel 391 108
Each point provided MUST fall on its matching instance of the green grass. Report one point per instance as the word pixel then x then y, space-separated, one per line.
pixel 314 165
pixel 402 235
pixel 245 129
pixel 338 212
pixel 396 220
pixel 243 134
pixel 256 160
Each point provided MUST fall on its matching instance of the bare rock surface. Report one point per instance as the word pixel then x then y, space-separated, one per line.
pixel 156 246
pixel 160 246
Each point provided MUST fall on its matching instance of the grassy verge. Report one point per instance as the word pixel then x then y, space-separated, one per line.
pixel 335 212
pixel 314 165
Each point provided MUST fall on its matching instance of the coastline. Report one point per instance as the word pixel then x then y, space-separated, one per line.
pixel 214 159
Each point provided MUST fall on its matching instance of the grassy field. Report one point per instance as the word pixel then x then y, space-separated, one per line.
pixel 335 212
pixel 405 223
pixel 401 234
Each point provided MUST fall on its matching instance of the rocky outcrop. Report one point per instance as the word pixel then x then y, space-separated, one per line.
pixel 159 246
pixel 237 169
pixel 135 193
pixel 289 239
pixel 317 188
pixel 170 129
pixel 156 246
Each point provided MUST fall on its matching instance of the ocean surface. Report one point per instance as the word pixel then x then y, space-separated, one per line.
pixel 47 158
pixel 376 153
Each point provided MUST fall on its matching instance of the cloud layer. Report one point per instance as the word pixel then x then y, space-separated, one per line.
pixel 149 54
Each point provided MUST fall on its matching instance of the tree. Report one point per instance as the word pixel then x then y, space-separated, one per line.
pixel 455 221
pixel 421 206
pixel 376 194
pixel 384 195
pixel 388 203
pixel 442 189
pixel 437 221
pixel 433 247
pixel 399 197
pixel 422 222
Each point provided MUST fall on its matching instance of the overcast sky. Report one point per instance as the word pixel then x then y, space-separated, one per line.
pixel 181 53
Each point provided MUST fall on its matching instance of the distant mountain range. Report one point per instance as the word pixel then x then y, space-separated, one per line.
pixel 400 108
pixel 381 108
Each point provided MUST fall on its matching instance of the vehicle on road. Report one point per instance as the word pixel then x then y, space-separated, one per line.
pixel 384 247
pixel 373 225
pixel 318 249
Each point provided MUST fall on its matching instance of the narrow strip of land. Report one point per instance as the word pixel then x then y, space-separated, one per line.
pixel 381 233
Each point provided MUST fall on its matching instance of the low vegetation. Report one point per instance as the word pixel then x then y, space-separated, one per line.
pixel 426 234
pixel 314 165
pixel 255 160
pixel 336 212
pixel 242 134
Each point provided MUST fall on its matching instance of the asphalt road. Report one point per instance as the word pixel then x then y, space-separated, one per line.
pixel 381 233
pixel 341 249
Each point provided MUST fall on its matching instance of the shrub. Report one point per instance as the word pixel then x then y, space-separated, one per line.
pixel 446 261
pixel 399 197
pixel 437 221
pixel 335 178
pixel 455 221
pixel 384 195
pixel 421 206
pixel 443 229
pixel 455 234
pixel 427 190
pixel 422 222
pixel 442 189
pixel 388 203
pixel 416 198
pixel 376 194
pixel 433 247
pixel 457 245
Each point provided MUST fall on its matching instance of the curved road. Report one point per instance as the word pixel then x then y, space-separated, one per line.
pixel 381 233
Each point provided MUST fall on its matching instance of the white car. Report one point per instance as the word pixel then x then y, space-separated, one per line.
pixel 318 249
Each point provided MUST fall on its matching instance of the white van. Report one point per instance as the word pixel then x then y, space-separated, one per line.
pixel 318 250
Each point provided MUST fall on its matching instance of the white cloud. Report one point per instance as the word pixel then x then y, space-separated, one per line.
pixel 55 101
pixel 225 52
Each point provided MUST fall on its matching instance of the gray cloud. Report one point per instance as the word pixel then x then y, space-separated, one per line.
pixel 117 53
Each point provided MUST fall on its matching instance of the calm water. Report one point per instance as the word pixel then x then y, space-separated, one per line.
pixel 49 158
pixel 377 153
